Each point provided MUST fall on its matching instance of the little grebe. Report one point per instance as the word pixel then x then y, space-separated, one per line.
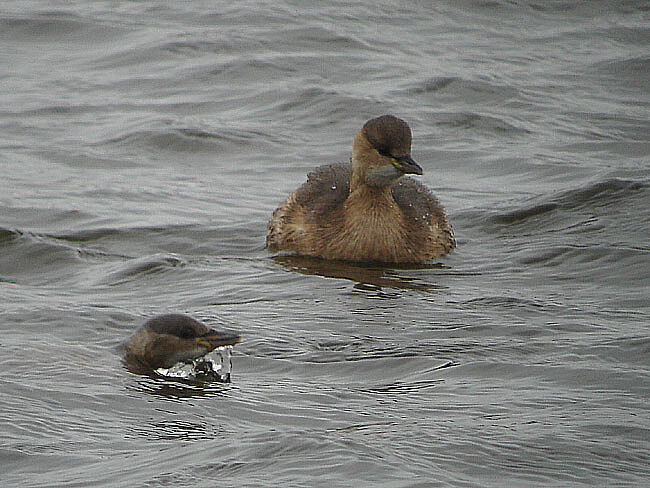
pixel 168 339
pixel 365 211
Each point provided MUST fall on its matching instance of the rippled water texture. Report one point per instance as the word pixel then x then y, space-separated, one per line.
pixel 144 146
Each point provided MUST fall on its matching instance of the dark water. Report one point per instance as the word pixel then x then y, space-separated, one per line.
pixel 144 146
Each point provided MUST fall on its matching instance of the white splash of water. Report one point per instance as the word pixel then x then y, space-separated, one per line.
pixel 215 365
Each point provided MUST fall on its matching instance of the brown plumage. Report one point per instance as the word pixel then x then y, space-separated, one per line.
pixel 168 339
pixel 366 211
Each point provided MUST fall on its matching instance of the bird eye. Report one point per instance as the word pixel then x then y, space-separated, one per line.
pixel 186 333
pixel 383 151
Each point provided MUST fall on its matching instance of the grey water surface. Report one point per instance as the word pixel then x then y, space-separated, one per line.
pixel 143 147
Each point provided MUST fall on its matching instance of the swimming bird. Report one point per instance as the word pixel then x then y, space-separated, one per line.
pixel 168 339
pixel 367 210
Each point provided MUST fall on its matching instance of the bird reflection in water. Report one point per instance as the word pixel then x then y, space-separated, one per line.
pixel 373 278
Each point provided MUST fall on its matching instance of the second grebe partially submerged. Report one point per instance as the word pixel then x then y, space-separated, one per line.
pixel 168 339
pixel 365 211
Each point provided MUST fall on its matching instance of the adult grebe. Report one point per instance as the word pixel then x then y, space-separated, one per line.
pixel 365 211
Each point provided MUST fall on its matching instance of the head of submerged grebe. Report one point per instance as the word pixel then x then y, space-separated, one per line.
pixel 168 339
